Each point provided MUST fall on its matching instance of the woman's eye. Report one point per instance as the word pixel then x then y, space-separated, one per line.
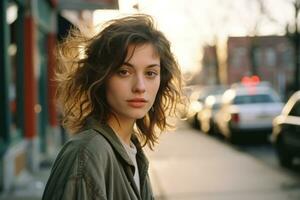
pixel 123 72
pixel 151 73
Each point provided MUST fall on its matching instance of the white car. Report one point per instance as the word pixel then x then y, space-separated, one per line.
pixel 249 109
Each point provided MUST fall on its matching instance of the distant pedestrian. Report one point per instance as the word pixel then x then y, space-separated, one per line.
pixel 116 90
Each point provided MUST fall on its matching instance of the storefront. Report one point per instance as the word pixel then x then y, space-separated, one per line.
pixel 29 129
pixel 24 104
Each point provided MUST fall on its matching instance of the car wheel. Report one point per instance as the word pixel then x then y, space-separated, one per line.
pixel 210 128
pixel 285 158
pixel 196 123
pixel 233 138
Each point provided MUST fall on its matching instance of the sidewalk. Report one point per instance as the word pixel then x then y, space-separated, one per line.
pixel 188 165
pixel 29 186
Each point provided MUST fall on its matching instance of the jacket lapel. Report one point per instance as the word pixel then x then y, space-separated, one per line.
pixel 113 139
pixel 142 161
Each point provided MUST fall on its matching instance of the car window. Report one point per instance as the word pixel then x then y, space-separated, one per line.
pixel 246 99
pixel 295 111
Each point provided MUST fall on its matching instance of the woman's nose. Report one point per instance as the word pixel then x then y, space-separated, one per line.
pixel 139 85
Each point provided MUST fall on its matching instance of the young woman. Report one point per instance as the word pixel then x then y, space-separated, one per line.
pixel 116 90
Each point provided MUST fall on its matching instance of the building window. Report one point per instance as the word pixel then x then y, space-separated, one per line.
pixel 287 58
pixel 237 56
pixel 258 56
pixel 270 57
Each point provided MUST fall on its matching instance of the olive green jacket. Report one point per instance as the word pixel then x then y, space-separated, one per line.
pixel 95 165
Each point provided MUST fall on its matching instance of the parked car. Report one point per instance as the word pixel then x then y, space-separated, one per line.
pixel 286 131
pixel 206 117
pixel 185 110
pixel 248 109
pixel 193 105
pixel 200 101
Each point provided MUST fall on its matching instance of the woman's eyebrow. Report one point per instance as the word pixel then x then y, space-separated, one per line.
pixel 148 66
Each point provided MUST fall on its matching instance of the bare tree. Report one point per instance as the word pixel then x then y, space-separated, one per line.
pixel 214 19
pixel 263 14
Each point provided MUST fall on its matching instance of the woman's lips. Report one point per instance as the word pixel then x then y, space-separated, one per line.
pixel 137 102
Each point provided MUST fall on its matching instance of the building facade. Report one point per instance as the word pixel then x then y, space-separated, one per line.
pixel 269 57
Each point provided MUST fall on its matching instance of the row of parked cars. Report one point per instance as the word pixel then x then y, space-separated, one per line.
pixel 250 109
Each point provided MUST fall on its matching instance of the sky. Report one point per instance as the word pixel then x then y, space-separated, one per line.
pixel 190 24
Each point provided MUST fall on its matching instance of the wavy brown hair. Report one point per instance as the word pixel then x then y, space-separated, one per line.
pixel 85 64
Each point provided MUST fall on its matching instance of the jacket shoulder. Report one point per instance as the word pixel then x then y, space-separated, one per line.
pixel 84 156
pixel 90 143
pixel 84 147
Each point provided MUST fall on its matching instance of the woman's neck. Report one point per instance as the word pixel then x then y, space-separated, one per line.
pixel 123 128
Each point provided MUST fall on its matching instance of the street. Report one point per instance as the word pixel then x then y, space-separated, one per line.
pixel 234 65
pixel 266 153
pixel 188 165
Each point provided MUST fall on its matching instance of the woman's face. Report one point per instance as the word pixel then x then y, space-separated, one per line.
pixel 132 89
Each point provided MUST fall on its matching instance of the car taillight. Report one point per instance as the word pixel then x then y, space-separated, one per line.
pixel 235 117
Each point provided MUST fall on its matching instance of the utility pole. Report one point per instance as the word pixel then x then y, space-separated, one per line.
pixel 252 50
pixel 294 37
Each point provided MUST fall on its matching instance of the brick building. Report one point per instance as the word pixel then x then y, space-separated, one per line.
pixel 272 57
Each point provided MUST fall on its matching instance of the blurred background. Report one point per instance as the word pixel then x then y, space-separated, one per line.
pixel 241 66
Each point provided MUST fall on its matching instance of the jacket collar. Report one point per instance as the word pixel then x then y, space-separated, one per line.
pixel 106 131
